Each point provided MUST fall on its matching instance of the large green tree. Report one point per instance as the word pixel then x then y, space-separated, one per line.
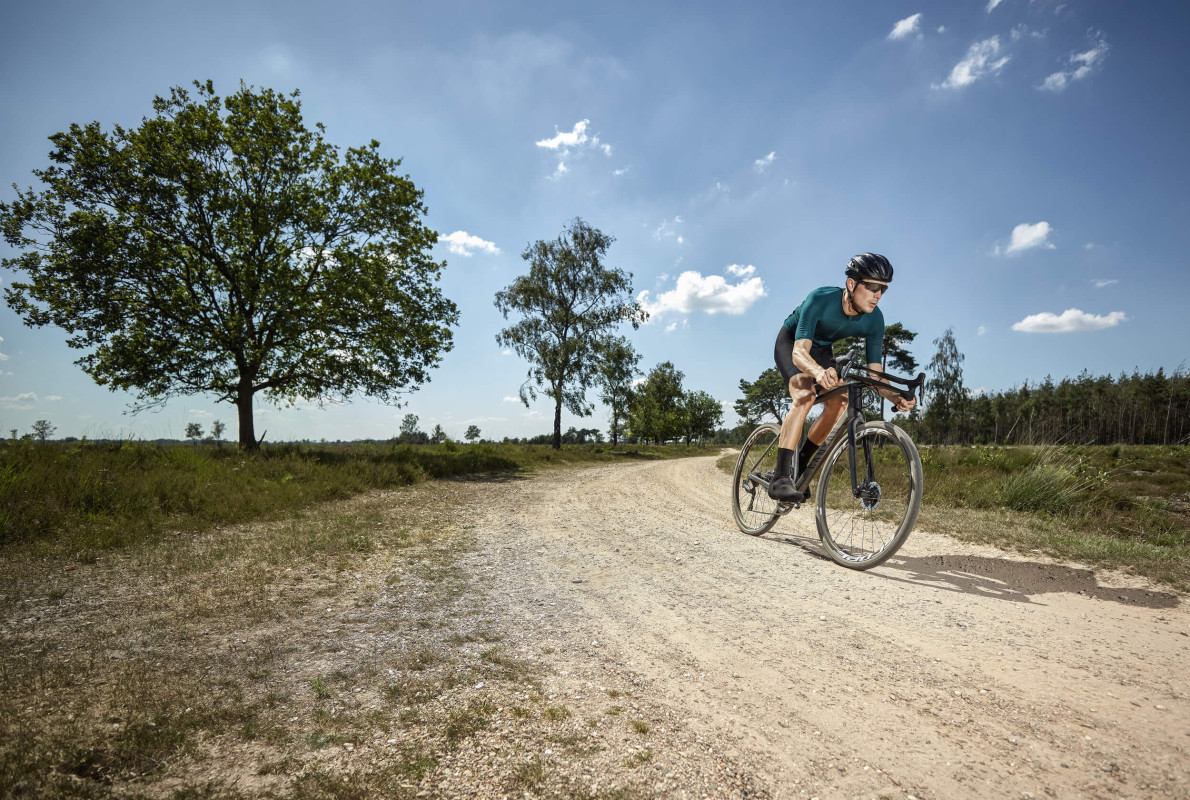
pixel 617 371
pixel 223 247
pixel 569 304
pixel 768 394
pixel 701 414
pixel 656 412
pixel 946 408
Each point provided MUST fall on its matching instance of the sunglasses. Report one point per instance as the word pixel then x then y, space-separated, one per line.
pixel 875 288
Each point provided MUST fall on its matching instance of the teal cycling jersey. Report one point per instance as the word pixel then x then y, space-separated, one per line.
pixel 820 319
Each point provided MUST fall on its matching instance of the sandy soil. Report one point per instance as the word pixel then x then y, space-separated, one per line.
pixel 951 671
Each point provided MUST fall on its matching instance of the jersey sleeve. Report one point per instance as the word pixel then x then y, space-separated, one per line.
pixel 875 342
pixel 808 315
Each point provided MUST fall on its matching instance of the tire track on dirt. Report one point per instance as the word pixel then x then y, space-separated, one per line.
pixel 952 670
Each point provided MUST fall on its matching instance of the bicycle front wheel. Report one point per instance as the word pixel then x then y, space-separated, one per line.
pixel 864 528
pixel 754 511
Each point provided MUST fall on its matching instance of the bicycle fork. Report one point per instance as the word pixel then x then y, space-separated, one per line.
pixel 854 405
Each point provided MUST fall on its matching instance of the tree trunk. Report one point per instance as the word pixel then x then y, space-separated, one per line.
pixel 244 407
pixel 558 424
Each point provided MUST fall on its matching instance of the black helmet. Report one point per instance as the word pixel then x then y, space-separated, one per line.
pixel 871 266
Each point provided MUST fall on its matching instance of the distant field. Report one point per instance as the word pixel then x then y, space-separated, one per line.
pixel 73 500
pixel 1122 507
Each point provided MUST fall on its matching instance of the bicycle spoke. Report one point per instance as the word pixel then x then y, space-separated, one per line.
pixel 863 531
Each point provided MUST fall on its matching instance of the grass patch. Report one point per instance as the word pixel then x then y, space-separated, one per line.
pixel 1113 506
pixel 80 499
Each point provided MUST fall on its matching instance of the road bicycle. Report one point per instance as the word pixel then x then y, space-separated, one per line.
pixel 869 493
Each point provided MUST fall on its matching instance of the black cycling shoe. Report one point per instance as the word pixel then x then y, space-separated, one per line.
pixel 783 491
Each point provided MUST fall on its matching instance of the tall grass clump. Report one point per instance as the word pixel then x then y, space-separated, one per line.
pixel 1052 484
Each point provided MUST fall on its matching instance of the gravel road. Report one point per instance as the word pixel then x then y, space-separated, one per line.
pixel 953 670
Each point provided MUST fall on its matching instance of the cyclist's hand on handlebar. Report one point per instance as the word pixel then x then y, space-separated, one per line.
pixel 901 404
pixel 829 379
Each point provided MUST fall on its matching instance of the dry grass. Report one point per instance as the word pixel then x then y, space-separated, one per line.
pixel 346 652
pixel 1116 507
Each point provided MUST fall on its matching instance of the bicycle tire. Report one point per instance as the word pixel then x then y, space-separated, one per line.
pixel 754 511
pixel 864 532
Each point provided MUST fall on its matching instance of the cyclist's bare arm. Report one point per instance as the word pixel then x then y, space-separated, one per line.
pixel 826 378
pixel 890 394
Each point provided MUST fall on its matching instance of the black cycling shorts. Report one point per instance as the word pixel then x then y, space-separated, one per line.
pixel 783 355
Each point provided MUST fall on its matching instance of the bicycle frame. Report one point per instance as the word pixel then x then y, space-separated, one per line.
pixel 861 377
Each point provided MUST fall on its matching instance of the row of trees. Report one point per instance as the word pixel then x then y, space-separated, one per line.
pixel 1149 408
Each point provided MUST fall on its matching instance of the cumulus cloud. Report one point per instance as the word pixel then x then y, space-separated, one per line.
pixel 53 398
pixel 1027 237
pixel 982 330
pixel 906 27
pixel 1072 320
pixel 3 357
pixel 740 270
pixel 20 402
pixel 1078 66
pixel 1100 283
pixel 981 61
pixel 512 399
pixel 761 164
pixel 712 294
pixel 464 244
pixel 992 5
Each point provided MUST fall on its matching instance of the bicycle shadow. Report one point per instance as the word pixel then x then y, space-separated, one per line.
pixel 1002 579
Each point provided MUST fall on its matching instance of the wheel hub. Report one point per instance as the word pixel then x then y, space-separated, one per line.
pixel 869 495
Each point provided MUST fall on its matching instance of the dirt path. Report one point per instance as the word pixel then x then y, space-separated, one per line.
pixel 952 671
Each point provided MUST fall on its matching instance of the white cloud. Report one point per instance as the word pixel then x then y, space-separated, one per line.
pixel 505 352
pixel 20 402
pixel 1027 237
pixel 992 4
pixel 1079 66
pixel 464 244
pixel 741 271
pixel 3 357
pixel 562 142
pixel 1100 283
pixel 668 230
pixel 574 138
pixel 53 398
pixel 761 164
pixel 512 399
pixel 941 29
pixel 906 27
pixel 712 294
pixel 1072 320
pixel 618 172
pixel 671 327
pixel 981 60
pixel 982 330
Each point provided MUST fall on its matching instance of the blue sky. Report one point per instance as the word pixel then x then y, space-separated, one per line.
pixel 1021 162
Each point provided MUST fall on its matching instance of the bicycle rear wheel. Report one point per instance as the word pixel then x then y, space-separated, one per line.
pixel 862 532
pixel 754 511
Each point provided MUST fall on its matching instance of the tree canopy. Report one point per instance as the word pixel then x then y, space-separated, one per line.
pixel 766 395
pixel 225 248
pixel 617 370
pixel 569 304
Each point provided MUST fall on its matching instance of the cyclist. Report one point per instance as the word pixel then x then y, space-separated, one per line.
pixel 804 357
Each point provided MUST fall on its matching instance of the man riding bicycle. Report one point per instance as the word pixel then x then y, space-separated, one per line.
pixel 804 357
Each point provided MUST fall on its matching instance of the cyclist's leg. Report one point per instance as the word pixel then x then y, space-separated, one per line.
pixel 801 392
